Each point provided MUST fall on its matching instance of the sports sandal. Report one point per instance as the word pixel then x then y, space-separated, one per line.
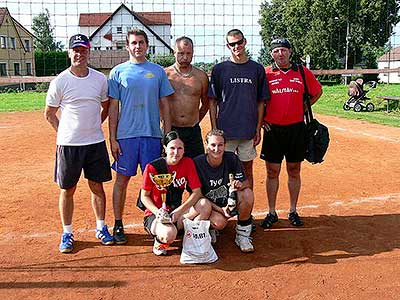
pixel 269 220
pixel 295 219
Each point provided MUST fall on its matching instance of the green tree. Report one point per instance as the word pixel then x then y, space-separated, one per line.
pixel 319 28
pixel 50 63
pixel 248 53
pixel 44 33
pixel 162 60
pixel 206 67
pixel 264 58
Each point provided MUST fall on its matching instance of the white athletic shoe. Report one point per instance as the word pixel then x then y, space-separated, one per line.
pixel 159 248
pixel 243 239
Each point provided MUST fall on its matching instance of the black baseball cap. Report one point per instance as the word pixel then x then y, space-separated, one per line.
pixel 276 43
pixel 79 40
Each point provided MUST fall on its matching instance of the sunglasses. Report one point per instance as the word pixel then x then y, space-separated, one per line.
pixel 233 44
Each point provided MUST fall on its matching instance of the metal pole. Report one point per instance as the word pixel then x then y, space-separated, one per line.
pixel 347 50
pixel 390 50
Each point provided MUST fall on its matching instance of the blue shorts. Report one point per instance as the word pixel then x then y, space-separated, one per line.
pixel 136 151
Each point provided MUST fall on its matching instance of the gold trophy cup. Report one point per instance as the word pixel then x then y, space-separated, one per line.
pixel 162 181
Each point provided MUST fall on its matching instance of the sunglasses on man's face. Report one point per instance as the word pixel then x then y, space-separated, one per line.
pixel 233 44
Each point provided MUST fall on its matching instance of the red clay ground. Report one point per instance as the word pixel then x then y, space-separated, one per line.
pixel 348 249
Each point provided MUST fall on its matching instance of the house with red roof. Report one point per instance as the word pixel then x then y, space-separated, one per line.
pixel 390 60
pixel 107 32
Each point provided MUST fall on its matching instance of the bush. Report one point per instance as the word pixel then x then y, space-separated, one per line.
pixel 11 89
pixel 206 67
pixel 42 86
pixel 163 60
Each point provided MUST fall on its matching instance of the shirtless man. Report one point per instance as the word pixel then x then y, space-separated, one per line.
pixel 189 103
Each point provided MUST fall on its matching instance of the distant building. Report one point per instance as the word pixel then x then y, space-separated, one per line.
pixel 107 32
pixel 16 47
pixel 390 60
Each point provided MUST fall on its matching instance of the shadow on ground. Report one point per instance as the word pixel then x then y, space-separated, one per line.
pixel 325 239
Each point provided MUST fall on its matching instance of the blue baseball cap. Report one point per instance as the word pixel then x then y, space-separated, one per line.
pixel 79 40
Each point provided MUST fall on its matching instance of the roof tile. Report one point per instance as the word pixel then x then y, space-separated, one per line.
pixel 149 18
pixel 392 55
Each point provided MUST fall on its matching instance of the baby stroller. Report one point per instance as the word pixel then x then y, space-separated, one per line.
pixel 358 96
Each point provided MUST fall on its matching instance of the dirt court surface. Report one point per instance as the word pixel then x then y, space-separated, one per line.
pixel 349 247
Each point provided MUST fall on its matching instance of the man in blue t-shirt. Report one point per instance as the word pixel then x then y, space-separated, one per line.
pixel 137 90
pixel 237 96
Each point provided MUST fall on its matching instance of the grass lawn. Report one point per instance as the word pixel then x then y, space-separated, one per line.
pixel 25 101
pixel 330 103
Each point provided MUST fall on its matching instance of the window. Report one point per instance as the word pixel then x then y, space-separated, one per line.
pixel 12 43
pixel 3 69
pixel 17 69
pixel 27 44
pixel 28 69
pixel 119 29
pixel 120 45
pixel 3 42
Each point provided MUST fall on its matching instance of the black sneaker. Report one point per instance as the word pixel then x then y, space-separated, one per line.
pixel 119 235
pixel 295 219
pixel 269 220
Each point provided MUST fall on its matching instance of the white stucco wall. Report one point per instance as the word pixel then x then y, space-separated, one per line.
pixel 389 77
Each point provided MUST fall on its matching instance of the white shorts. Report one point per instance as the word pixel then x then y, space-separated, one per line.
pixel 244 149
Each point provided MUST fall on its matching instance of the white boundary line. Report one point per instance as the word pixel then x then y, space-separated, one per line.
pixel 388 197
pixel 366 134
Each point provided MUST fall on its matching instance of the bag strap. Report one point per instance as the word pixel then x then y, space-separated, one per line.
pixel 160 165
pixel 306 97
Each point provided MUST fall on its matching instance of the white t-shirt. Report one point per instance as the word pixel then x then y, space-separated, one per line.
pixel 79 100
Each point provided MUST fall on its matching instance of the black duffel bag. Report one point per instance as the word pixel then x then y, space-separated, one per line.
pixel 317 141
pixel 317 134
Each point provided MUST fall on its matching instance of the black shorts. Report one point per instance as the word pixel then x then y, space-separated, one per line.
pixel 191 137
pixel 148 221
pixel 70 160
pixel 284 141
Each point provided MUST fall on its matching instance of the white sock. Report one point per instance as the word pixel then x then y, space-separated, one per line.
pixel 100 224
pixel 67 228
